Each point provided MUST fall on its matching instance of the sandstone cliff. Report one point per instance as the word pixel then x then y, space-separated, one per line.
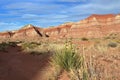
pixel 93 27
pixel 29 32
pixel 59 31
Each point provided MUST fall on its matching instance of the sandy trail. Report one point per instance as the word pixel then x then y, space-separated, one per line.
pixel 14 65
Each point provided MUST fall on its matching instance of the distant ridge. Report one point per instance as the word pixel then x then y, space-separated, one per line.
pixel 27 26
pixel 102 16
pixel 94 26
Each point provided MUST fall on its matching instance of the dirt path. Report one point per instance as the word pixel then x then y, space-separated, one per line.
pixel 14 65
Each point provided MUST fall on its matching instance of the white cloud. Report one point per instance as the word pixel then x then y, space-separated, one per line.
pixel 72 0
pixel 20 5
pixel 95 7
pixel 32 6
pixel 29 16
pixel 50 16
pixel 50 12
pixel 4 26
pixel 61 0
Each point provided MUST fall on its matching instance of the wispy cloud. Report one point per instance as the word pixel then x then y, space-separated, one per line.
pixel 72 0
pixel 36 8
pixel 6 26
pixel 95 8
pixel 52 12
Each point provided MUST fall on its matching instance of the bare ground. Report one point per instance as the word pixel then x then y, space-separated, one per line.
pixel 15 65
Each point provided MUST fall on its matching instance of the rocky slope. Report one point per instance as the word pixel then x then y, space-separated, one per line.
pixel 58 32
pixel 27 33
pixel 96 26
pixel 93 27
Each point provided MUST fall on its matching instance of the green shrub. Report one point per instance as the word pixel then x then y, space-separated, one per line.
pixel 69 60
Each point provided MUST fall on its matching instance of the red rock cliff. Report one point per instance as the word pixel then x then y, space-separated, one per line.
pixel 28 32
pixel 93 27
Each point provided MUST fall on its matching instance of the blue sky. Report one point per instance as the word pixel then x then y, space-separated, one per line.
pixel 44 13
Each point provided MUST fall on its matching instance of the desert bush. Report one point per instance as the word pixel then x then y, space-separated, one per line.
pixel 38 48
pixel 12 44
pixel 3 46
pixel 84 39
pixel 30 45
pixel 69 60
pixel 112 44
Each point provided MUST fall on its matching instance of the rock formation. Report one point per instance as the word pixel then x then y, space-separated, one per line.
pixel 92 27
pixel 96 26
pixel 59 31
pixel 29 32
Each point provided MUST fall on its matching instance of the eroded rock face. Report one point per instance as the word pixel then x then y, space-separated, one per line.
pixel 94 26
pixel 27 33
pixel 5 36
pixel 57 32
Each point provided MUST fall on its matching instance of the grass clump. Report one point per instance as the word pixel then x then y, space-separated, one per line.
pixel 69 60
pixel 102 48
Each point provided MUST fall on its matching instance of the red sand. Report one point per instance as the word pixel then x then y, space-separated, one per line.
pixel 14 65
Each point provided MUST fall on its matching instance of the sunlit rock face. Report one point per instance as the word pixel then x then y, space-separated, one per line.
pixel 27 33
pixel 5 36
pixel 117 19
pixel 58 32
pixel 95 26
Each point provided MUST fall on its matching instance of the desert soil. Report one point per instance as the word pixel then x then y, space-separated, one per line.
pixel 15 65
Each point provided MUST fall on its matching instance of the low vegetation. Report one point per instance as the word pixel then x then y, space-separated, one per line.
pixel 84 39
pixel 5 45
pixel 98 61
pixel 89 63
pixel 70 61
pixel 40 48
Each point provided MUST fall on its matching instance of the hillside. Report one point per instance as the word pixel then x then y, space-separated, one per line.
pixel 94 26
